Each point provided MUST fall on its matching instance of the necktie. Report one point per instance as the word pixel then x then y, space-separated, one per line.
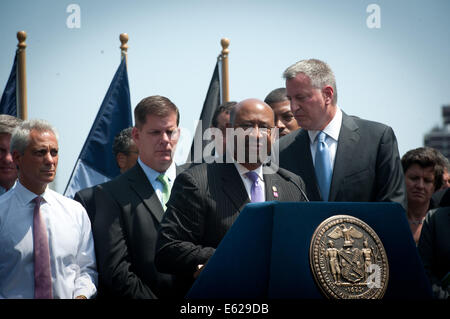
pixel 42 271
pixel 256 190
pixel 322 165
pixel 166 189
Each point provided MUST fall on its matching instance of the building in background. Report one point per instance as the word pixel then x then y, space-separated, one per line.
pixel 439 137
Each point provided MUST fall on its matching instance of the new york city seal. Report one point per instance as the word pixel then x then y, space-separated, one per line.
pixel 348 259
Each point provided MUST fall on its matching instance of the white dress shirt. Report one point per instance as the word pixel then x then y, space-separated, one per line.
pixel 248 182
pixel 72 256
pixel 152 176
pixel 332 130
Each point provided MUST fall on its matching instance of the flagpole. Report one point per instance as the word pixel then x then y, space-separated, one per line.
pixel 22 75
pixel 225 86
pixel 124 47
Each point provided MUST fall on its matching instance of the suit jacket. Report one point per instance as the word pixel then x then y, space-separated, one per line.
pixel 128 214
pixel 205 201
pixel 440 198
pixel 86 198
pixel 367 166
pixel 434 244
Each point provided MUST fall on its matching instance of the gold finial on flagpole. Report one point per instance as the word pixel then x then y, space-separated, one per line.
pixel 124 47
pixel 225 42
pixel 22 76
pixel 21 36
pixel 225 85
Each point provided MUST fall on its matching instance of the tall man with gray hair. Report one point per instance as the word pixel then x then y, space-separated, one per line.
pixel 340 157
pixel 47 250
pixel 8 170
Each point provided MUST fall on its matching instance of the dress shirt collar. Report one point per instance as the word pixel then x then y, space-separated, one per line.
pixel 3 190
pixel 152 175
pixel 332 129
pixel 242 170
pixel 25 196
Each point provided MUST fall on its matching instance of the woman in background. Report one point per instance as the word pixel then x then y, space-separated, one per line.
pixel 423 168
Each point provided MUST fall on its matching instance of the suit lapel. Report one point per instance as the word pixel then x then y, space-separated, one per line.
pixel 232 186
pixel 141 185
pixel 271 187
pixel 348 139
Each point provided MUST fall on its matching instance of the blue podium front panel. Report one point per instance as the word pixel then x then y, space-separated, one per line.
pixel 266 252
pixel 293 228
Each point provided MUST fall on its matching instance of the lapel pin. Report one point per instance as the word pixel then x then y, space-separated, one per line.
pixel 275 191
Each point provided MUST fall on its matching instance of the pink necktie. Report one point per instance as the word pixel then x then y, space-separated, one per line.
pixel 42 271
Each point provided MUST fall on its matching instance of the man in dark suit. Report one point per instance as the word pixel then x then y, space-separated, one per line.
pixel 207 198
pixel 340 157
pixel 126 154
pixel 434 249
pixel 129 208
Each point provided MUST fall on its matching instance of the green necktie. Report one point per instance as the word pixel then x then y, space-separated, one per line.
pixel 166 189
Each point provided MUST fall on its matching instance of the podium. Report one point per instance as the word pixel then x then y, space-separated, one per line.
pixel 266 253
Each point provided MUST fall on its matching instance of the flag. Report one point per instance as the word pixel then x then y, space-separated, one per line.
pixel 211 104
pixel 96 163
pixel 8 103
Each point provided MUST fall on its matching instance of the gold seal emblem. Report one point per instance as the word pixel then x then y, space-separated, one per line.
pixel 348 259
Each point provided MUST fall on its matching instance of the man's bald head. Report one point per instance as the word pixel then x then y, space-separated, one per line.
pixel 249 106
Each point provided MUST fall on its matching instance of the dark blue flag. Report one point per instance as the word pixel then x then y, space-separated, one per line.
pixel 8 103
pixel 96 163
pixel 211 104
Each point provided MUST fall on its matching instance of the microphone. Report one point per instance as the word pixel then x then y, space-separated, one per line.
pixel 290 179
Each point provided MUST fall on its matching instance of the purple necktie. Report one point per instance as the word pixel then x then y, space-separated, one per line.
pixel 256 191
pixel 42 272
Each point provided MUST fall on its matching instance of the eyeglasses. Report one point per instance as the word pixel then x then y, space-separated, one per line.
pixel 263 129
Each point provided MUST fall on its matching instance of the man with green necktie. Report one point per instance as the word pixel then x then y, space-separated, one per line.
pixel 129 208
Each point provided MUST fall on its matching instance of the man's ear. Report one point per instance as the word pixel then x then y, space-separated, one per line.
pixel 328 94
pixel 135 134
pixel 178 133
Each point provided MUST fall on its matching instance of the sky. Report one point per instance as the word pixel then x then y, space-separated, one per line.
pixel 391 60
